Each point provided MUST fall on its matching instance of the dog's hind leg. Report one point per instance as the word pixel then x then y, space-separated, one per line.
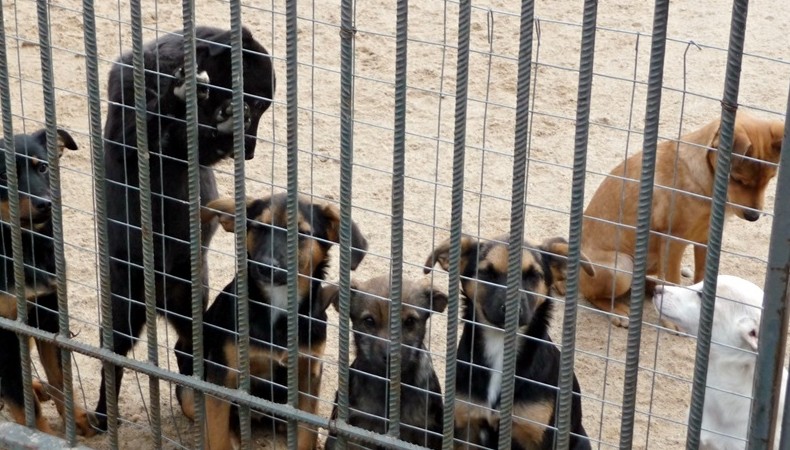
pixel 310 372
pixel 700 256
pixel 611 282
pixel 11 387
pixel 128 319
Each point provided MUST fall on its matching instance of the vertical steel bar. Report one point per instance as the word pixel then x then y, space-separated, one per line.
pixel 456 217
pixel 729 105
pixel 347 32
pixel 516 244
pixel 773 326
pixel 292 144
pixel 396 243
pixel 100 201
pixel 240 224
pixel 16 231
pixel 53 158
pixel 193 180
pixel 583 101
pixel 652 113
pixel 146 220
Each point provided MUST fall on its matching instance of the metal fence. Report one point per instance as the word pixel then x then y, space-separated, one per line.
pixel 420 122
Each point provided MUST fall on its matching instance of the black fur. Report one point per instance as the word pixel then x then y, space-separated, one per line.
pixel 38 255
pixel 167 143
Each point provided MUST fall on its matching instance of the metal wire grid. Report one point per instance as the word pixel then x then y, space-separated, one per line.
pixel 351 74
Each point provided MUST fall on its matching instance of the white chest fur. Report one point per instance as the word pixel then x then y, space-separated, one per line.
pixel 494 356
pixel 278 299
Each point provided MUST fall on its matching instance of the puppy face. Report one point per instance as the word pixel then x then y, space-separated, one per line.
pixel 484 266
pixel 32 170
pixel 756 151
pixel 213 55
pixel 370 318
pixel 267 237
pixel 736 320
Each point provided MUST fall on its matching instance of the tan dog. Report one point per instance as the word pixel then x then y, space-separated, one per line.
pixel 681 207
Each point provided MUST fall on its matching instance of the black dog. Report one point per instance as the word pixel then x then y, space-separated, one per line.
pixel 38 254
pixel 319 227
pixel 483 269
pixel 421 406
pixel 167 143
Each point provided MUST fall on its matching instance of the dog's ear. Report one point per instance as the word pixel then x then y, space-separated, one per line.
pixel 330 294
pixel 749 329
pixel 436 299
pixel 441 254
pixel 225 209
pixel 359 245
pixel 557 257
pixel 740 141
pixel 777 132
pixel 64 140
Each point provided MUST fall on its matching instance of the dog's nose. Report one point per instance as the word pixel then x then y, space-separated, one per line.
pixel 658 290
pixel 42 205
pixel 751 215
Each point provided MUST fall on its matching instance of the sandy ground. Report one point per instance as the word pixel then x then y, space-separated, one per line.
pixel 689 100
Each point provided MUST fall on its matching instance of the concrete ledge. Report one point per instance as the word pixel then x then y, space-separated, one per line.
pixel 17 437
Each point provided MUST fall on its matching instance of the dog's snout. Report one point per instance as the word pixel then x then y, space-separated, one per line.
pixel 751 215
pixel 42 205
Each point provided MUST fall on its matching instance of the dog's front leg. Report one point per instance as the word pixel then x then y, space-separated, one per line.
pixel 700 255
pixel 310 371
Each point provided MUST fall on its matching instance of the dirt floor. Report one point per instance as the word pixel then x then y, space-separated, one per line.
pixel 693 77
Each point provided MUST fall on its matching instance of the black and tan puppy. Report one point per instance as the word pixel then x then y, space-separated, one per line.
pixel 167 143
pixel 267 219
pixel 483 267
pixel 38 254
pixel 421 403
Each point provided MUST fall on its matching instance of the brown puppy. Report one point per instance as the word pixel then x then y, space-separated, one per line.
pixel 484 273
pixel 684 177
pixel 421 403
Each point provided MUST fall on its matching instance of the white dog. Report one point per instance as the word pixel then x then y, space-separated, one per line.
pixel 736 324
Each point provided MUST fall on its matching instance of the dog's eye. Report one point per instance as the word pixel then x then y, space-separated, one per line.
pixel 369 321
pixel 3 176
pixel 42 167
pixel 409 322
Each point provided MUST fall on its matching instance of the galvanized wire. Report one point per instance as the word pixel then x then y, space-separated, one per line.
pixel 583 102
pixel 346 165
pixel 292 98
pixel 146 221
pixel 193 181
pixel 53 158
pixel 16 232
pixel 644 209
pixel 729 104
pixel 456 219
pixel 396 239
pixel 198 385
pixel 240 222
pixel 773 326
pixel 515 246
pixel 100 205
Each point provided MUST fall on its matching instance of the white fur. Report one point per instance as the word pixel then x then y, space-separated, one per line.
pixel 278 299
pixel 738 309
pixel 494 356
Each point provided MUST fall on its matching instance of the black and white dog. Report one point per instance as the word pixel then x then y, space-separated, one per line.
pixel 166 138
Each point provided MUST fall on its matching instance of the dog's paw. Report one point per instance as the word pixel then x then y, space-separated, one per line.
pixel 686 272
pixel 560 289
pixel 224 118
pixel 670 326
pixel 98 422
pixel 41 390
pixel 82 420
pixel 186 398
pixel 180 86
pixel 619 321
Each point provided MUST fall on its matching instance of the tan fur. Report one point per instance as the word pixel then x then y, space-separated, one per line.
pixel 530 421
pixel 681 207
pixel 469 420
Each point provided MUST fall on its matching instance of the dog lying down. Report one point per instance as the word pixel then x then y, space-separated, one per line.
pixel 736 324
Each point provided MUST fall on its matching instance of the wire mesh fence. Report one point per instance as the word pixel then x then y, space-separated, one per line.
pixel 364 223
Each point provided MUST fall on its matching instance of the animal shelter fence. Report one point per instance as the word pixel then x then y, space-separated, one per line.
pixel 296 150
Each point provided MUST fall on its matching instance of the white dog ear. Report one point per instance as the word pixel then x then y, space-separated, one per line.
pixel 750 332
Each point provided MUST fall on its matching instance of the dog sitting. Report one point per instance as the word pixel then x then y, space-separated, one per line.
pixel 165 93
pixel 38 254
pixel 319 227
pixel 736 324
pixel 484 267
pixel 681 210
pixel 421 406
